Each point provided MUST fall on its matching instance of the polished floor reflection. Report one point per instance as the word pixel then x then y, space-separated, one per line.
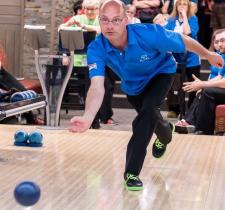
pixel 84 171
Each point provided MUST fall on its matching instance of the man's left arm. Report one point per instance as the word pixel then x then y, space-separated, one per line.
pixel 193 46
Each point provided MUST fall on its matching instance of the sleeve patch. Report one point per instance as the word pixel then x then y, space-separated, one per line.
pixel 92 66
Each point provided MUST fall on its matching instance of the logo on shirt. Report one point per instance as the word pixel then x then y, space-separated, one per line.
pixel 92 66
pixel 144 58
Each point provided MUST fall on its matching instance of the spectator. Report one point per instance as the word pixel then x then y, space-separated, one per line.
pixel 88 20
pixel 212 94
pixel 131 11
pixel 184 21
pixel 77 10
pixel 168 5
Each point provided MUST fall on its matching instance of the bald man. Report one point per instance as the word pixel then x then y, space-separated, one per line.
pixel 140 54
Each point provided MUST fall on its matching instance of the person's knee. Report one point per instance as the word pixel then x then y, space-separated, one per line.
pixel 207 93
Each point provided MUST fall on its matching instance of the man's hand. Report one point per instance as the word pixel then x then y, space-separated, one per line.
pixel 215 60
pixel 79 124
pixel 196 85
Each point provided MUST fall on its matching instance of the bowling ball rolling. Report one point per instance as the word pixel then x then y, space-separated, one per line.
pixel 27 193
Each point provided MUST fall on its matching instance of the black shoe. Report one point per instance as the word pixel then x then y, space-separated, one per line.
pixel 132 182
pixel 158 149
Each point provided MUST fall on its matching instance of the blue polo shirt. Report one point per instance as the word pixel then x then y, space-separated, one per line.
pixel 192 59
pixel 148 53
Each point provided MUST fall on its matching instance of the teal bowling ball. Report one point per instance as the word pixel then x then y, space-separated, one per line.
pixel 35 137
pixel 21 136
pixel 27 193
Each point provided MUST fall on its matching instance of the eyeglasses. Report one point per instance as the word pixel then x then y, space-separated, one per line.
pixel 114 21
pixel 219 40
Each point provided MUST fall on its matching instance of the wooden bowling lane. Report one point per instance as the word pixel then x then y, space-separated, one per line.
pixel 84 171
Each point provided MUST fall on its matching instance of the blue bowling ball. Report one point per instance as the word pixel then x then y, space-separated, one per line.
pixel 35 137
pixel 27 193
pixel 21 136
pixel 17 97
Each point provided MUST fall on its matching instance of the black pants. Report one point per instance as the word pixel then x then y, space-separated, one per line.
pixel 148 120
pixel 192 112
pixel 211 97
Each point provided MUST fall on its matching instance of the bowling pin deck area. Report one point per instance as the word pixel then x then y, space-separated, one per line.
pixel 84 171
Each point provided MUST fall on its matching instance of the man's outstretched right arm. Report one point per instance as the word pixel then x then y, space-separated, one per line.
pixel 92 104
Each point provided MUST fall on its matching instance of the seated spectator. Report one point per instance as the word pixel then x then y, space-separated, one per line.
pixel 88 20
pixel 131 11
pixel 183 20
pixel 77 10
pixel 212 94
pixel 168 5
